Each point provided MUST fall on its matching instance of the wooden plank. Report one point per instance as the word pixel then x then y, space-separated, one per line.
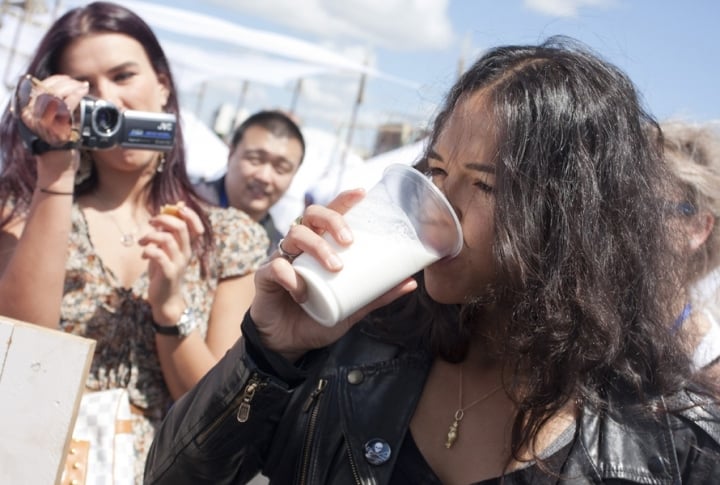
pixel 42 377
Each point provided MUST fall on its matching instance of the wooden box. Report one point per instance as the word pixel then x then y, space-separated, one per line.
pixel 42 379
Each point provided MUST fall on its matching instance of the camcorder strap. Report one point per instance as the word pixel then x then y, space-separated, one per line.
pixel 37 145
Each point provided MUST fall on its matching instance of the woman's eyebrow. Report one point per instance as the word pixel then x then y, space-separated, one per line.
pixel 434 155
pixel 124 65
pixel 477 166
pixel 481 167
pixel 113 70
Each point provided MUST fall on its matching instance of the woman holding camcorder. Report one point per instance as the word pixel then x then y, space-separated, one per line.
pixel 92 150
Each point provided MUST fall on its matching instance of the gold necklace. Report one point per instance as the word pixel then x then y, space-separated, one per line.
pixel 453 431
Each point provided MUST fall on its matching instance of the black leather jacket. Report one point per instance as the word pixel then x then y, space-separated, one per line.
pixel 312 426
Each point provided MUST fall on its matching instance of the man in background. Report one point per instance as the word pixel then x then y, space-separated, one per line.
pixel 266 151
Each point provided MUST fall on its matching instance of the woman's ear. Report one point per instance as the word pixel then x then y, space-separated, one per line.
pixel 164 87
pixel 701 229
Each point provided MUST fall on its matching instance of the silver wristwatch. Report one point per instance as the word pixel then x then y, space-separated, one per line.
pixel 187 323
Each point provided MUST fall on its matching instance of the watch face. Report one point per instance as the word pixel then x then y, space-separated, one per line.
pixel 187 322
pixel 182 328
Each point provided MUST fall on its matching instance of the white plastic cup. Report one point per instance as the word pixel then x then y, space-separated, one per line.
pixel 403 225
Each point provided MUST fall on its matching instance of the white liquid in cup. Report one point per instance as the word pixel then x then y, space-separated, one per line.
pixel 372 265
pixel 386 249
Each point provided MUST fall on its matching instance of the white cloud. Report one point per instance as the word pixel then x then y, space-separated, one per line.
pixel 565 8
pixel 394 24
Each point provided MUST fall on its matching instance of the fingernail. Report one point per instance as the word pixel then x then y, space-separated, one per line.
pixel 345 235
pixel 334 262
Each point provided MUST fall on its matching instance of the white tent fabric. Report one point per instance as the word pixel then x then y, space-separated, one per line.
pixel 17 42
pixel 367 173
pixel 267 57
pixel 285 59
pixel 201 26
pixel 193 66
pixel 206 154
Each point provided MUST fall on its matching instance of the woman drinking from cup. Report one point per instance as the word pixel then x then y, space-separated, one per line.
pixel 539 353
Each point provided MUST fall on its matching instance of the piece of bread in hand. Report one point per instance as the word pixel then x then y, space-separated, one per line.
pixel 172 209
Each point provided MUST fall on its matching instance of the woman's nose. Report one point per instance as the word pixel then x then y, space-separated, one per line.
pixel 446 187
pixel 106 90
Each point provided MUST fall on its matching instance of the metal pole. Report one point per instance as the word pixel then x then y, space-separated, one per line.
pixel 296 96
pixel 353 116
pixel 240 103
pixel 201 95
pixel 351 130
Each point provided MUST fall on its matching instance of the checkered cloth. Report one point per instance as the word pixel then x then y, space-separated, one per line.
pixel 104 419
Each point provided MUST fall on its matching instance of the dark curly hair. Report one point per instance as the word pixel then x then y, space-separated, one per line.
pixel 585 263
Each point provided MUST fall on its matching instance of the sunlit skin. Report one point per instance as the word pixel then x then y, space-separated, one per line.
pixel 461 165
pixel 117 69
pixel 260 170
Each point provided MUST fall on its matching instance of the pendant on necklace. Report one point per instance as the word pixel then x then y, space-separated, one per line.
pixel 127 240
pixel 452 434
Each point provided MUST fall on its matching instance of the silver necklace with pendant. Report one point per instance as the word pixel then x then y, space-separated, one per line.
pixel 127 239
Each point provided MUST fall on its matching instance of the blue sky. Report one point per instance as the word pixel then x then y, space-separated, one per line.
pixel 671 50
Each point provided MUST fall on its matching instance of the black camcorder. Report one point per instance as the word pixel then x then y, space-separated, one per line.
pixel 102 125
pixel 95 124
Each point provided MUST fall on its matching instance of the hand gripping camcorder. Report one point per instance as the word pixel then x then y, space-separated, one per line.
pixel 96 124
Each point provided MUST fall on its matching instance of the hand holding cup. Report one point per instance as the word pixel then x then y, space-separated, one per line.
pixel 280 320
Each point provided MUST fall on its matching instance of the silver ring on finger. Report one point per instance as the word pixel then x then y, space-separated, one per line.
pixel 289 256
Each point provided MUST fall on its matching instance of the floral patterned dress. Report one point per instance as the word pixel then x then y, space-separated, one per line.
pixel 96 306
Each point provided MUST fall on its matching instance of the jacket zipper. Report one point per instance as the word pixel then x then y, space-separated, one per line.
pixel 243 412
pixel 311 407
pixel 241 401
pixel 353 466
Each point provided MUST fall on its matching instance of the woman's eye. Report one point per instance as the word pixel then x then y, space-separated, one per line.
pixel 434 172
pixel 123 76
pixel 483 186
pixel 686 208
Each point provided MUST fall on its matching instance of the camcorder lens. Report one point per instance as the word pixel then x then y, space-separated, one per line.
pixel 106 119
